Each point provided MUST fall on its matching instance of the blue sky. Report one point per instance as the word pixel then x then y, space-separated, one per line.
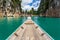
pixel 28 4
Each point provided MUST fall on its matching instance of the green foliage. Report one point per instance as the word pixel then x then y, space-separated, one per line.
pixel 14 3
pixel 32 11
pixel 44 5
pixel 17 3
pixel 20 6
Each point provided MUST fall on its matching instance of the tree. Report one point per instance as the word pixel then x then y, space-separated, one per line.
pixel 44 5
pixel 17 4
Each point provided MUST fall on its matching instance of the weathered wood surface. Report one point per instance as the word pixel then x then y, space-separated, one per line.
pixel 29 31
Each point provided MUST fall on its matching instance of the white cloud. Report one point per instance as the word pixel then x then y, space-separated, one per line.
pixel 27 7
pixel 35 5
pixel 26 1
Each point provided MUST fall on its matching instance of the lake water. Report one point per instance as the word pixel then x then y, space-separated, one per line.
pixel 8 25
pixel 50 25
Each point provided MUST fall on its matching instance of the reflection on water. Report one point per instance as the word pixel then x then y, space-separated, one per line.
pixel 9 18
pixel 9 25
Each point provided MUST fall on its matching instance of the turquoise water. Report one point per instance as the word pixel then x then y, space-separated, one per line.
pixel 50 25
pixel 8 25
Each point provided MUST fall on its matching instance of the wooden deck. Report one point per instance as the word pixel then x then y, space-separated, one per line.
pixel 29 31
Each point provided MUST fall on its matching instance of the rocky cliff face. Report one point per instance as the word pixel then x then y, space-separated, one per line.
pixel 54 9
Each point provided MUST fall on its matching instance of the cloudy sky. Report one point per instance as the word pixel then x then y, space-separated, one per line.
pixel 28 4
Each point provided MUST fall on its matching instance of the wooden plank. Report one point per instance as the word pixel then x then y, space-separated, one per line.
pixel 29 32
